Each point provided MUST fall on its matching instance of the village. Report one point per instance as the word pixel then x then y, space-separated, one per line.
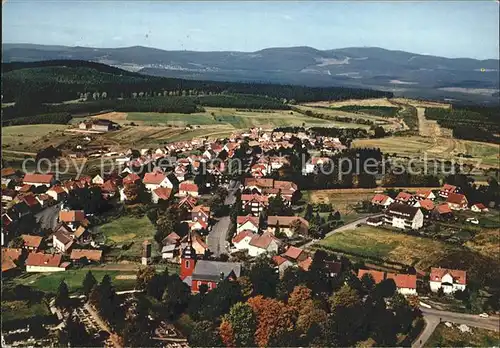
pixel 216 219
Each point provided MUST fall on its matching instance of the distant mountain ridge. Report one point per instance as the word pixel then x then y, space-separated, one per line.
pixel 402 72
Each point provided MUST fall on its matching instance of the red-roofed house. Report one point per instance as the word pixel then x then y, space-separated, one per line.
pixel 382 200
pixel 10 258
pixel 305 264
pixel 281 263
pixel 457 201
pixel 200 213
pixel 40 262
pixel 31 243
pixel 446 190
pixel 78 256
pixel 406 284
pixel 425 194
pixel 404 197
pixel 163 193
pixel 295 254
pixel 442 211
pixel 72 218
pixel 38 179
pixel 187 202
pixel 377 276
pixel 132 178
pixel 57 192
pixel 249 222
pixel 478 208
pixel 156 179
pixel 254 203
pixel 449 280
pixel 188 188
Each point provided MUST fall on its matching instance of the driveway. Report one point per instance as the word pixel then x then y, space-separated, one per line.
pixel 433 317
pixel 48 216
pixel 346 227
pixel 216 239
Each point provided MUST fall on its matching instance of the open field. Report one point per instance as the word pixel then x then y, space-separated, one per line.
pixel 362 102
pixel 440 148
pixel 486 243
pixel 216 116
pixel 30 137
pixel 419 252
pixel 445 336
pixel 340 201
pixel 421 103
pixel 49 282
pixel 126 235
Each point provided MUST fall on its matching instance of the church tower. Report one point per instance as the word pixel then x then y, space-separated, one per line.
pixel 188 259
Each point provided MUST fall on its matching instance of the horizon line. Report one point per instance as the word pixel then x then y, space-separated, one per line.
pixel 235 51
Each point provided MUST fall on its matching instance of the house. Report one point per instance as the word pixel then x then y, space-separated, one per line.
pixel 256 185
pixel 161 193
pixel 249 223
pixel 478 208
pixel 457 201
pixel 72 218
pixel 108 189
pixel 288 225
pixel 7 175
pixel 313 163
pixel 442 211
pixel 446 190
pixel 377 276
pixel 38 179
pixel 254 203
pixel 425 194
pixel 82 235
pixel 193 238
pixel 406 284
pixel 62 240
pixel 155 180
pixel 382 200
pixel 85 256
pixel 97 180
pixel 31 243
pixel 10 259
pixel 200 213
pixel 188 188
pixel 375 221
pixel 44 200
pixel 131 178
pixel 404 197
pixel 281 263
pixel 31 202
pixel 103 125
pixel 449 280
pixel 57 192
pixel 404 216
pixel 425 204
pixel 256 244
pixel 305 264
pixel 8 195
pixel 187 203
pixel 295 254
pixel 180 172
pixel 40 262
pixel 196 272
pixel 333 268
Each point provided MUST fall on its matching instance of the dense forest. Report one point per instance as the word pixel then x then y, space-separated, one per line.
pixel 478 123
pixel 61 80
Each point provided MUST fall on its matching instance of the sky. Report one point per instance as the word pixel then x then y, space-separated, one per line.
pixel 444 28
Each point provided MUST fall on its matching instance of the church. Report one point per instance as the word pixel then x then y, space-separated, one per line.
pixel 196 272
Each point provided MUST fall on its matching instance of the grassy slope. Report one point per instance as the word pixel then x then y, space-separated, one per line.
pixel 14 310
pixel 27 134
pixel 452 337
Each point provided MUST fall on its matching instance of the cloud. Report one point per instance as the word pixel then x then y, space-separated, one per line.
pixel 117 38
pixel 287 17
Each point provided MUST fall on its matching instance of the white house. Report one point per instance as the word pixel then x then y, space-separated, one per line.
pixel 97 180
pixel 425 194
pixel 256 244
pixel 156 179
pixel 406 284
pixel 40 262
pixel 188 188
pixel 478 208
pixel 450 280
pixel 249 223
pixel 403 216
pixel 382 200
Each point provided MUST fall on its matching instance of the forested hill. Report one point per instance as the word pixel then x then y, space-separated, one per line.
pixel 61 80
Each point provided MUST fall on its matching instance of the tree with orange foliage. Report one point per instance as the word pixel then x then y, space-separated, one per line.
pixel 226 333
pixel 309 315
pixel 274 319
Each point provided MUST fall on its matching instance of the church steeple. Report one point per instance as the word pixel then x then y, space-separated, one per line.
pixel 188 258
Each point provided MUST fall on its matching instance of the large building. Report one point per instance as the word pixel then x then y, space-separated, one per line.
pixel 404 216
pixel 196 272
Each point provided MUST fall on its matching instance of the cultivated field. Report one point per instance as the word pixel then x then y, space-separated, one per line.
pixel 362 102
pixel 419 252
pixel 439 148
pixel 31 137
pixel 342 200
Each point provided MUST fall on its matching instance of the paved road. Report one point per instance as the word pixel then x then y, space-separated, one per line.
pixel 231 189
pixel 48 216
pixel 349 226
pixel 432 316
pixel 216 239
